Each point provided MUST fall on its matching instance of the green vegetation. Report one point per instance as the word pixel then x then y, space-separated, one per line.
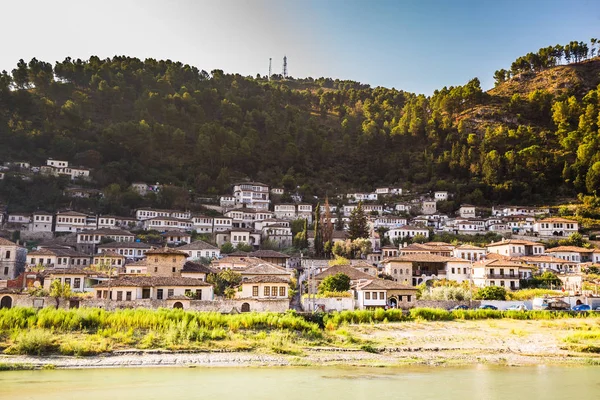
pixel 89 331
pixel 529 294
pixel 491 293
pixel 163 121
pixel 335 283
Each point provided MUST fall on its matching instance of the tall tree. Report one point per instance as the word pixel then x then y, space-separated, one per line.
pixel 318 232
pixel 358 226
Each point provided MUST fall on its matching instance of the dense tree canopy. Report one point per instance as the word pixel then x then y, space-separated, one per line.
pixel 164 121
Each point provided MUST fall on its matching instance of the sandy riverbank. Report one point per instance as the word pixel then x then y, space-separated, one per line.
pixel 503 342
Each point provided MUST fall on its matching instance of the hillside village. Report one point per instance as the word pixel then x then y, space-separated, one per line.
pixel 180 258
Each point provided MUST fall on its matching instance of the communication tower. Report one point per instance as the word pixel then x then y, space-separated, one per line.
pixel 284 67
pixel 269 77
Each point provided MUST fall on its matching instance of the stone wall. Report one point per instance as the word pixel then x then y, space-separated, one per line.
pixel 223 306
pixel 329 304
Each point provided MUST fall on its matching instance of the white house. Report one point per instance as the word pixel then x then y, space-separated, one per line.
pixel 516 248
pixel 406 231
pixel 499 272
pixel 227 201
pixel 58 257
pixel 440 196
pixel 41 221
pixel 177 237
pixel 200 249
pixel 252 195
pixel 221 224
pixel 555 227
pixel 154 288
pixel 131 250
pixel 389 221
pixel 236 236
pixel 70 221
pixel 167 223
pixel 202 223
pixel 277 191
pixel 285 211
pixel 469 252
pixel 572 253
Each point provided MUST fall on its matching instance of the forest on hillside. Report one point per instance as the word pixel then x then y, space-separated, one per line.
pixel 163 121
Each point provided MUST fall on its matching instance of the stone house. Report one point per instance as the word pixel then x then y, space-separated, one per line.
pixel 12 259
pixel 131 288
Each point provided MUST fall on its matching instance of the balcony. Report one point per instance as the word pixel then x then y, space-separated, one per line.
pixel 502 276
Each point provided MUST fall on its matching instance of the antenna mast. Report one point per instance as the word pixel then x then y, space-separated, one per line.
pixel 284 67
pixel 269 77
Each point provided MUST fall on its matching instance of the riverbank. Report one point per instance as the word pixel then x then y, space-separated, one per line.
pixel 448 343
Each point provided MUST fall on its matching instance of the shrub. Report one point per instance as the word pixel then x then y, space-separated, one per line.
pixel 491 293
pixel 33 342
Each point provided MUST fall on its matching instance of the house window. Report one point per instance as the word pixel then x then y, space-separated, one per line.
pixel 170 292
pixel 77 283
pixel 198 294
pixel 128 296
pixel 502 283
pixel 119 295
pixel 145 293
pixel 173 269
pixel 381 295
pixel 155 269
pixel 452 270
pixel 492 283
pixel 408 298
pixel 274 291
pixel 254 291
pixel 267 292
pixel 68 281
pixel 367 295
pixel 374 295
pixel 282 291
pixel 159 294
pixel 8 254
pixel 99 294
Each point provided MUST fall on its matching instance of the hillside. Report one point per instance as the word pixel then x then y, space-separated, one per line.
pixel 162 121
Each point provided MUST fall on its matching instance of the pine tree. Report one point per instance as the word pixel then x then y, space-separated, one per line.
pixel 358 227
pixel 327 225
pixel 318 232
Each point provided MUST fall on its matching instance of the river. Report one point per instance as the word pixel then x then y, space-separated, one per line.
pixel 306 383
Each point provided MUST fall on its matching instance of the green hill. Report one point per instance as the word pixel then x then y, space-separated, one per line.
pixel 530 139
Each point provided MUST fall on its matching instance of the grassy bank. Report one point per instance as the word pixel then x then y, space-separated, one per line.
pixel 90 331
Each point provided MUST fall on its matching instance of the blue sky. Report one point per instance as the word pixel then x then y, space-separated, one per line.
pixel 418 46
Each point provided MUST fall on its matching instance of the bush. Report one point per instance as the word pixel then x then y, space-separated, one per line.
pixel 491 293
pixel 33 342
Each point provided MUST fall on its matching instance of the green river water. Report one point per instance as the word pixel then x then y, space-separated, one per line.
pixel 331 383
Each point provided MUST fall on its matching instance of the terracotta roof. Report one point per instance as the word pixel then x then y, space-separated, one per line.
pixel 71 213
pixel 499 263
pixel 268 254
pixel 197 268
pixel 125 245
pixel 265 279
pixel 109 254
pixel 514 241
pixel 106 231
pixel 153 281
pixel 569 249
pixel 175 233
pixel 70 271
pixel 6 242
pixel 384 284
pixel 166 250
pixel 469 247
pixel 265 268
pixel 353 273
pixel 59 252
pixel 545 259
pixel 557 219
pixel 238 253
pixel 198 245
pixel 423 258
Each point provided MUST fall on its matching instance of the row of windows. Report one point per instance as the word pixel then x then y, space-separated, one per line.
pixel 71 220
pixel 374 296
pixel 512 284
pixel 43 218
pixel 67 281
pixel 270 291
pixel 60 261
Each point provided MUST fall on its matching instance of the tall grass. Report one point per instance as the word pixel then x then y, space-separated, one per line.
pixel 87 331
pixel 334 320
